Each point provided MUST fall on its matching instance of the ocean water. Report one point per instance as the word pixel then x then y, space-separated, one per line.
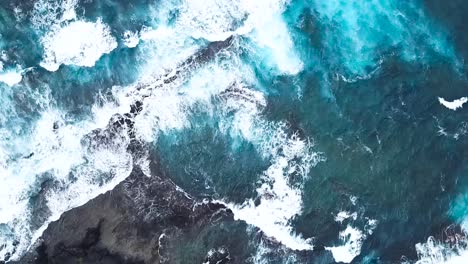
pixel 323 125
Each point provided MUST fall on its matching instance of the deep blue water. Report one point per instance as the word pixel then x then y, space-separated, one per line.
pixel 320 123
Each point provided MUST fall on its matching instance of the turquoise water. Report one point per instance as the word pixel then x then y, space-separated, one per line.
pixel 318 123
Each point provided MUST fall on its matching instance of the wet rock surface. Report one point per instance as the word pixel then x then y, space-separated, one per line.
pixel 137 222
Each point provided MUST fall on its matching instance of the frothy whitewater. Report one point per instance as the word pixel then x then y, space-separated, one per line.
pixel 89 66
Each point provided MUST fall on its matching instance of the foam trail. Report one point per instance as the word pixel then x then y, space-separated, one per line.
pixel 455 104
pixel 434 252
pixel 279 200
pixel 352 237
pixel 453 248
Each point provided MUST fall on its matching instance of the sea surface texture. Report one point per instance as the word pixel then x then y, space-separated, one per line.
pixel 328 127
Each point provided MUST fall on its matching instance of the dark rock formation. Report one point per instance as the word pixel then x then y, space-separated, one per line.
pixel 140 221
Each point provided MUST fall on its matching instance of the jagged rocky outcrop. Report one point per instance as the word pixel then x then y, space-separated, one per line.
pixel 140 221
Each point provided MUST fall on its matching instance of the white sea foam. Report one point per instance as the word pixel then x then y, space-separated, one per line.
pixel 343 215
pixel 455 104
pixel 47 13
pixel 278 205
pixel 453 250
pixel 435 252
pixel 210 19
pixel 131 39
pixel 68 40
pixel 264 252
pixel 159 41
pixel 78 43
pixel 11 77
pixel 351 238
pixel 212 253
pixel 216 20
pixel 69 12
pixel 270 33
pixel 279 201
pixel 289 155
pixel 56 153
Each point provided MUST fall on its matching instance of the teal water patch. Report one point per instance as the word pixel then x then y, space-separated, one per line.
pixel 20 106
pixel 75 89
pixel 232 173
pixel 459 210
pixel 212 136
pixel 199 246
pixel 459 205
pixel 356 36
pixel 141 13
pixel 18 40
